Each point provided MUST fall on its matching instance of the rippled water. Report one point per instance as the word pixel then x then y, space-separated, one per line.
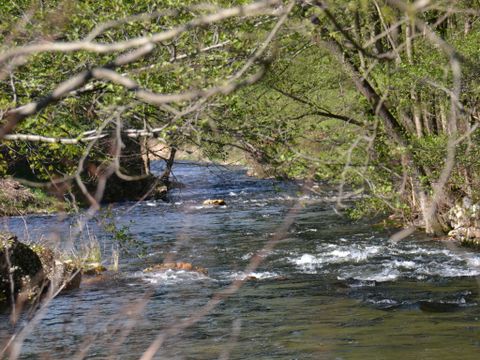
pixel 329 289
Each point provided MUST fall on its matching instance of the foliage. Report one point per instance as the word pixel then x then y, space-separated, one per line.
pixel 292 139
pixel 71 21
pixel 120 235
pixel 311 115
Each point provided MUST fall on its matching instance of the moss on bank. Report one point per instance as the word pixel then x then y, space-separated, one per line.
pixel 16 199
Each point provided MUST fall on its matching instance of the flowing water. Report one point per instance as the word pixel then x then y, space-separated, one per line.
pixel 329 289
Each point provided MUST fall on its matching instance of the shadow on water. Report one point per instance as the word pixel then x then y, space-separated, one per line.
pixel 330 289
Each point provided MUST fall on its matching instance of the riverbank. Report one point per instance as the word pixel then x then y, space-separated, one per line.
pixel 17 199
pixel 29 271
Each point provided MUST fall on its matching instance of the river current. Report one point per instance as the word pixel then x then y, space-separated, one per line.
pixel 326 287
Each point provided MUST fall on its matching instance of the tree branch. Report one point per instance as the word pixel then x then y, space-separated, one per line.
pixel 256 8
pixel 325 113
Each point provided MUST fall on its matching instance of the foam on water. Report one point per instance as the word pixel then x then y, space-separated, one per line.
pixel 371 260
pixel 383 302
pixel 442 269
pixel 307 263
pixel 334 254
pixel 307 231
pixel 473 261
pixel 171 277
pixel 261 253
pixel 406 264
pixel 370 274
pixel 254 275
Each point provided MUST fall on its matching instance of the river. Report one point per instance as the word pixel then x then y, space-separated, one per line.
pixel 329 288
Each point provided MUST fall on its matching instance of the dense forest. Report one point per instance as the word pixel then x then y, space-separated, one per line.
pixel 377 99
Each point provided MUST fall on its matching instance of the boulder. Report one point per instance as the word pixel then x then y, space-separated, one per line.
pixel 20 269
pixel 117 189
pixel 464 219
pixel 464 214
pixel 438 306
pixel 216 202
pixel 59 273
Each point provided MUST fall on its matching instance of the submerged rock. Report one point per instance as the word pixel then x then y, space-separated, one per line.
pixel 93 269
pixel 216 202
pixel 21 270
pixel 186 266
pixel 438 306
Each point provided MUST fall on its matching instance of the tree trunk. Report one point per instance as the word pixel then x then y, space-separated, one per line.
pixel 168 167
pixel 432 223
pixel 131 158
pixel 145 154
pixel 427 209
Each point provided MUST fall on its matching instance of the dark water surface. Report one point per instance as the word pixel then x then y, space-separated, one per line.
pixel 330 289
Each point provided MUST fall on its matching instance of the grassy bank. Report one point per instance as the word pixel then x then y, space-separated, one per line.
pixel 17 199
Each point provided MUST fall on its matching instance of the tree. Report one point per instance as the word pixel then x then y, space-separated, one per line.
pixel 384 86
pixel 100 70
pixel 376 95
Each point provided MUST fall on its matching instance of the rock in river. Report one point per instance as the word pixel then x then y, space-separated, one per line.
pixel 216 202
pixel 176 266
pixel 21 270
